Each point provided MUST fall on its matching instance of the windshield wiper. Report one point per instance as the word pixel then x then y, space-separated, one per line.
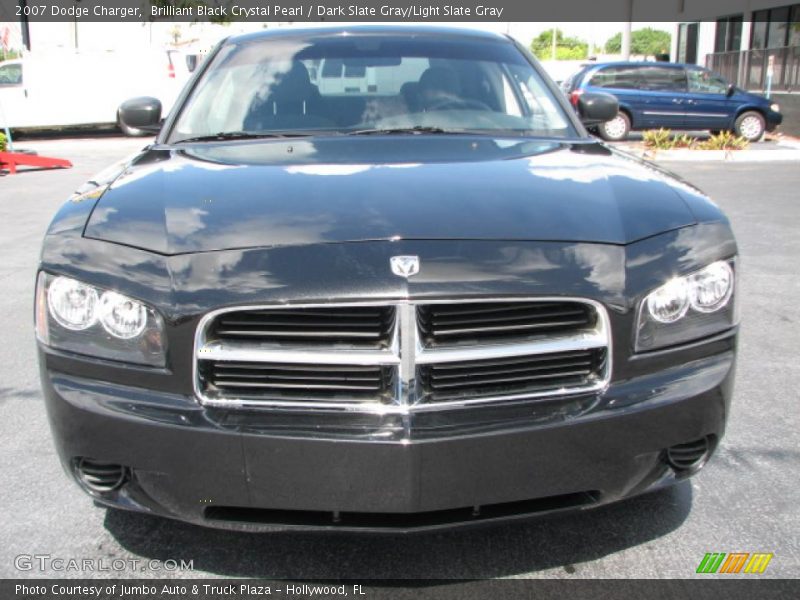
pixel 238 135
pixel 416 130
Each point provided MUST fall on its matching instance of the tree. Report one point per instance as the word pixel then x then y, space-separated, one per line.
pixel 567 48
pixel 645 42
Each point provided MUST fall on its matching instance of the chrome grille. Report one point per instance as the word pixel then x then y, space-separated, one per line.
pixel 475 323
pixel 510 376
pixel 401 356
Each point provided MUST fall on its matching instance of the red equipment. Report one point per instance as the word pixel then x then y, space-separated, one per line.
pixel 9 161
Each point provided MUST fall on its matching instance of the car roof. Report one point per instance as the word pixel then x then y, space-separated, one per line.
pixel 646 63
pixel 369 30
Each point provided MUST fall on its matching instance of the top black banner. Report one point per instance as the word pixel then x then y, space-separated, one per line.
pixel 222 11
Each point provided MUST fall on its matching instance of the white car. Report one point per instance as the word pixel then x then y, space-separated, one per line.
pixel 71 89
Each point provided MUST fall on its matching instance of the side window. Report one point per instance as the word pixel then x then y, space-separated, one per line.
pixel 663 79
pixel 620 78
pixel 11 74
pixel 332 68
pixel 355 70
pixel 705 82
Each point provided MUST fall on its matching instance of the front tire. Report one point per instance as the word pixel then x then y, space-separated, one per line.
pixel 750 125
pixel 616 129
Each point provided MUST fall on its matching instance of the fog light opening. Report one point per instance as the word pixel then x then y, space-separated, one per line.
pixel 690 457
pixel 100 477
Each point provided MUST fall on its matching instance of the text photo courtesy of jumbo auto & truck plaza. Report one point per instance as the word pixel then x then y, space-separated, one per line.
pixel 392 299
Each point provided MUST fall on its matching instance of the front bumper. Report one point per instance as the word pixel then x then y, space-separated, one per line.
pixel 773 119
pixel 462 467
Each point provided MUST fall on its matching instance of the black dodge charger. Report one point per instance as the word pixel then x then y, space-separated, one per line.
pixel 382 279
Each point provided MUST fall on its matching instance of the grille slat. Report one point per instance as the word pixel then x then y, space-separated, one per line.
pixel 442 324
pixel 280 381
pixel 295 367
pixel 441 321
pixel 296 334
pixel 513 328
pixel 524 368
pixel 510 377
pixel 353 326
pixel 471 382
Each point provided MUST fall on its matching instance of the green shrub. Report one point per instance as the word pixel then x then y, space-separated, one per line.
pixel 724 140
pixel 3 142
pixel 684 141
pixel 658 139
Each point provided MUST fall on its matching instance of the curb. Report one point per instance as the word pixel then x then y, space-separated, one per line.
pixel 718 155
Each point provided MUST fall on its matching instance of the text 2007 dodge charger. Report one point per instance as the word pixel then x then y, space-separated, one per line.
pixel 382 279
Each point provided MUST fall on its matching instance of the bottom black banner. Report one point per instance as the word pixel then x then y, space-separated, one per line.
pixel 578 589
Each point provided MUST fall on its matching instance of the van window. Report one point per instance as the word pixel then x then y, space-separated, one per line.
pixel 11 74
pixel 663 79
pixel 349 76
pixel 621 78
pixel 571 82
pixel 333 68
pixel 705 82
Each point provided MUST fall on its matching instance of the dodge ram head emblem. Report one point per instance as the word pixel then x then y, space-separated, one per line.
pixel 405 266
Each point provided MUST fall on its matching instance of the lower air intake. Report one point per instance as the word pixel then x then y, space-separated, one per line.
pixel 99 476
pixel 689 456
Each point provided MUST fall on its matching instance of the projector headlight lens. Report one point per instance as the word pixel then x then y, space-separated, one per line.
pixel 122 317
pixel 72 304
pixel 669 302
pixel 711 288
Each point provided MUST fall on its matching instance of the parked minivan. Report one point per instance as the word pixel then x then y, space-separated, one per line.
pixel 675 96
pixel 73 89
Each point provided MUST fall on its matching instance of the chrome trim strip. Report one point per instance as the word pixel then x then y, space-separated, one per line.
pixel 683 114
pixel 405 341
pixel 253 353
pixel 582 341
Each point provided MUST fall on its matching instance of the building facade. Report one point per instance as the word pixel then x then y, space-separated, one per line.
pixel 753 43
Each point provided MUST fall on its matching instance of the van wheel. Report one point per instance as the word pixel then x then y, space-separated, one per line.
pixel 130 131
pixel 750 125
pixel 616 129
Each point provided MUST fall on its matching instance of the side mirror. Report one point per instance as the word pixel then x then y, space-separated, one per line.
pixel 141 113
pixel 597 107
pixel 731 90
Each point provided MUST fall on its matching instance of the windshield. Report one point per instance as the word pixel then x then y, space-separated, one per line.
pixel 350 83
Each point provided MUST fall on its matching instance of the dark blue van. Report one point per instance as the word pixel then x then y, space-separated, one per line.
pixel 675 96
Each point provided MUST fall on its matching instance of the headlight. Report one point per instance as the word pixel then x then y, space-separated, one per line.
pixel 775 107
pixel 74 316
pixel 72 304
pixel 122 317
pixel 687 308
pixel 711 288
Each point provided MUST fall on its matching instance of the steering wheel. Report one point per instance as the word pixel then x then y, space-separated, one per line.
pixel 458 103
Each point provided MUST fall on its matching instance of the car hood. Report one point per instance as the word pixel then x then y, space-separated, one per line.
pixel 267 193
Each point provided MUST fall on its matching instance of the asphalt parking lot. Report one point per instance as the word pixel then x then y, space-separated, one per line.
pixel 744 501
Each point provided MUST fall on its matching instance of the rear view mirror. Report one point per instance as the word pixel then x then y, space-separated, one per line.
pixel 141 114
pixel 730 91
pixel 597 107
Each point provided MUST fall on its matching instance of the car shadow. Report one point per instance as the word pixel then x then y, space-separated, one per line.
pixel 563 540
